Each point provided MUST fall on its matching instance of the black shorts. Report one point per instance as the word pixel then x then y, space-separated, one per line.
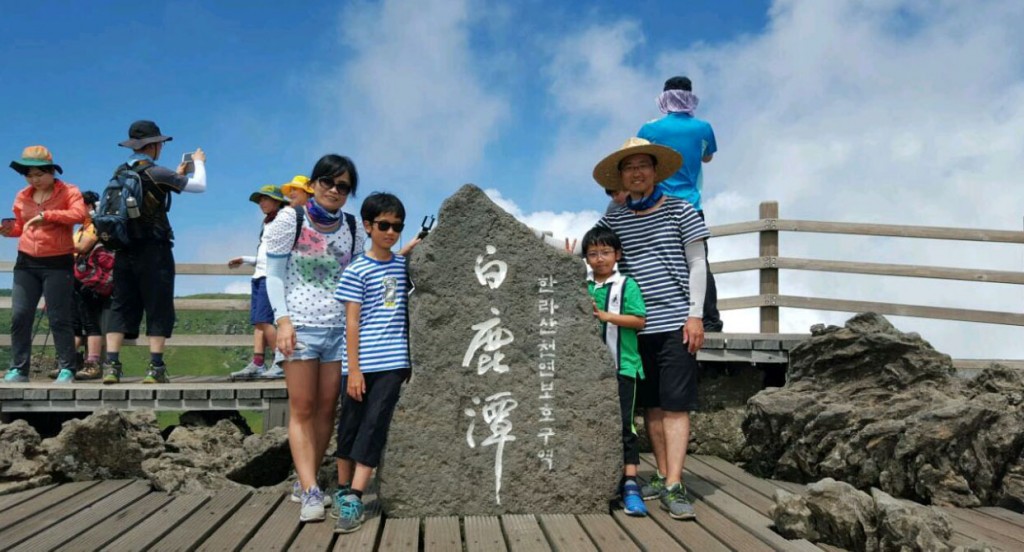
pixel 92 312
pixel 363 425
pixel 143 283
pixel 671 382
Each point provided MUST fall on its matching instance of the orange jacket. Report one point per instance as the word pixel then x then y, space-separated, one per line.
pixel 61 212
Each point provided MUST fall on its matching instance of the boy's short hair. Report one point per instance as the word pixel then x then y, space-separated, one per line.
pixel 600 235
pixel 381 202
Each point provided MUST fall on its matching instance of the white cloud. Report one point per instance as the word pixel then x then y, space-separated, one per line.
pixel 408 104
pixel 892 111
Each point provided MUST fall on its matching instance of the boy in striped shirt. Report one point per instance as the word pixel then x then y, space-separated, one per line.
pixel 375 289
pixel 619 306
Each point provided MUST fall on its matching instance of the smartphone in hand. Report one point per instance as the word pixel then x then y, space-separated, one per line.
pixel 190 166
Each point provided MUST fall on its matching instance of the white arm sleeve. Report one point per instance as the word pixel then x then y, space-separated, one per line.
pixel 251 261
pixel 276 270
pixel 197 182
pixel 696 260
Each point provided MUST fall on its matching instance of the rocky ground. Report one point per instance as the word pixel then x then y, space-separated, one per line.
pixel 878 408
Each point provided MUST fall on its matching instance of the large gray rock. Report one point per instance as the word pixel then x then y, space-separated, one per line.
pixel 446 438
pixel 208 459
pixel 22 458
pixel 836 513
pixel 108 444
pixel 875 407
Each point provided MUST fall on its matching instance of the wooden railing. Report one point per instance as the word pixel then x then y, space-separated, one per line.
pixel 769 263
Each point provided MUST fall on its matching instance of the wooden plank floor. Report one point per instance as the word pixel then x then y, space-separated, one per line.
pixel 731 510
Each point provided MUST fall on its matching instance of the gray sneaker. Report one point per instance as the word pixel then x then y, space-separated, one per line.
pixel 251 371
pixel 156 374
pixel 352 514
pixel 653 488
pixel 312 505
pixel 676 503
pixel 273 373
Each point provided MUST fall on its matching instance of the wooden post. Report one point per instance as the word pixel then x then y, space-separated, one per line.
pixel 276 415
pixel 768 212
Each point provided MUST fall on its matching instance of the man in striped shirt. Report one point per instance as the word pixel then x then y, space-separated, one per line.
pixel 663 250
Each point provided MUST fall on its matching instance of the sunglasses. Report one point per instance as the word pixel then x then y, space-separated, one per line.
pixel 343 188
pixel 384 225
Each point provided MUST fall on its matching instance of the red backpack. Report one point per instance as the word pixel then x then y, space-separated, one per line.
pixel 95 270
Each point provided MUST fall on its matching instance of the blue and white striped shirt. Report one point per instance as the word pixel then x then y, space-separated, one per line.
pixel 383 290
pixel 653 254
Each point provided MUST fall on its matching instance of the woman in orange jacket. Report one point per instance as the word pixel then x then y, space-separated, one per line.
pixel 45 213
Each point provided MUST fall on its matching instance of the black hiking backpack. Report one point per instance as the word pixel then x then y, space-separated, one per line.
pixel 120 202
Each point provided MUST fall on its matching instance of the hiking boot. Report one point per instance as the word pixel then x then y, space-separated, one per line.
pixel 632 500
pixel 52 374
pixel 156 374
pixel 90 370
pixel 352 514
pixel 312 505
pixel 65 376
pixel 653 488
pixel 275 372
pixel 15 375
pixel 251 371
pixel 676 503
pixel 111 372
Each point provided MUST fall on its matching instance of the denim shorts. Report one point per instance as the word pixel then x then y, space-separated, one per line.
pixel 319 343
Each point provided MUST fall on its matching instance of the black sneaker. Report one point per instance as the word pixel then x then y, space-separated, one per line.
pixel 111 372
pixel 156 374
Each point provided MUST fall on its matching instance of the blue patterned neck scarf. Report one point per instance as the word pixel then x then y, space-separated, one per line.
pixel 321 216
pixel 646 202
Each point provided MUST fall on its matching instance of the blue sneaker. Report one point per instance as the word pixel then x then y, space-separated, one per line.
pixel 339 495
pixel 65 376
pixel 632 500
pixel 352 514
pixel 15 375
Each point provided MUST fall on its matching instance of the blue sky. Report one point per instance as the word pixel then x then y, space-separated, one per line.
pixel 898 111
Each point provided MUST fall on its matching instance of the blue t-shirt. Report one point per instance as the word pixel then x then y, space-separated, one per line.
pixel 693 138
pixel 383 290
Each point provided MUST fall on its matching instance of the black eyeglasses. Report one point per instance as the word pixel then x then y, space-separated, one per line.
pixel 384 225
pixel 343 188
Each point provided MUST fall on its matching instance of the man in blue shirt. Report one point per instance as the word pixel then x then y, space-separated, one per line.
pixel 695 140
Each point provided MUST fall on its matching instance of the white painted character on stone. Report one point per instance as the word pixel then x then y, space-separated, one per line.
pixel 492 273
pixel 495 413
pixel 490 336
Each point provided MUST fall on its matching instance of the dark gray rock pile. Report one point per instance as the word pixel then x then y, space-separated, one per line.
pixel 836 513
pixel 876 407
pixel 509 373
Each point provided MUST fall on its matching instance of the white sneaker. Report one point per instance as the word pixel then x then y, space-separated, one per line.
pixel 296 495
pixel 312 505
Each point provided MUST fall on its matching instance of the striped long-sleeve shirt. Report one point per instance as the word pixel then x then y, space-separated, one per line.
pixel 653 254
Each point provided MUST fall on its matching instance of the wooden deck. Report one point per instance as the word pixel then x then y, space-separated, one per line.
pixel 731 505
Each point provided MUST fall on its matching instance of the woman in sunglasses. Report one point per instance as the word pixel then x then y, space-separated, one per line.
pixel 308 247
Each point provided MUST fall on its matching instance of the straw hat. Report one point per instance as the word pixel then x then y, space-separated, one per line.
pixel 298 181
pixel 35 156
pixel 606 173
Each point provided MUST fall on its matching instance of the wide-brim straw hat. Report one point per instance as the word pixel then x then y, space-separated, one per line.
pixel 298 181
pixel 35 156
pixel 271 191
pixel 607 174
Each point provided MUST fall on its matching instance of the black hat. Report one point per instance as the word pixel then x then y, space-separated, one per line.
pixel 143 133
pixel 678 83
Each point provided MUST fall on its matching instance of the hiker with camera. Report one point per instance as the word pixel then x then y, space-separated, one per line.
pixel 45 213
pixel 132 221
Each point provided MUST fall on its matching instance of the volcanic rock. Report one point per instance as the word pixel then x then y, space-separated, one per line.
pixel 21 457
pixel 109 444
pixel 876 407
pixel 512 406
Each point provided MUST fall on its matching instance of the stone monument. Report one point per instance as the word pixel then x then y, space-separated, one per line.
pixel 512 406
